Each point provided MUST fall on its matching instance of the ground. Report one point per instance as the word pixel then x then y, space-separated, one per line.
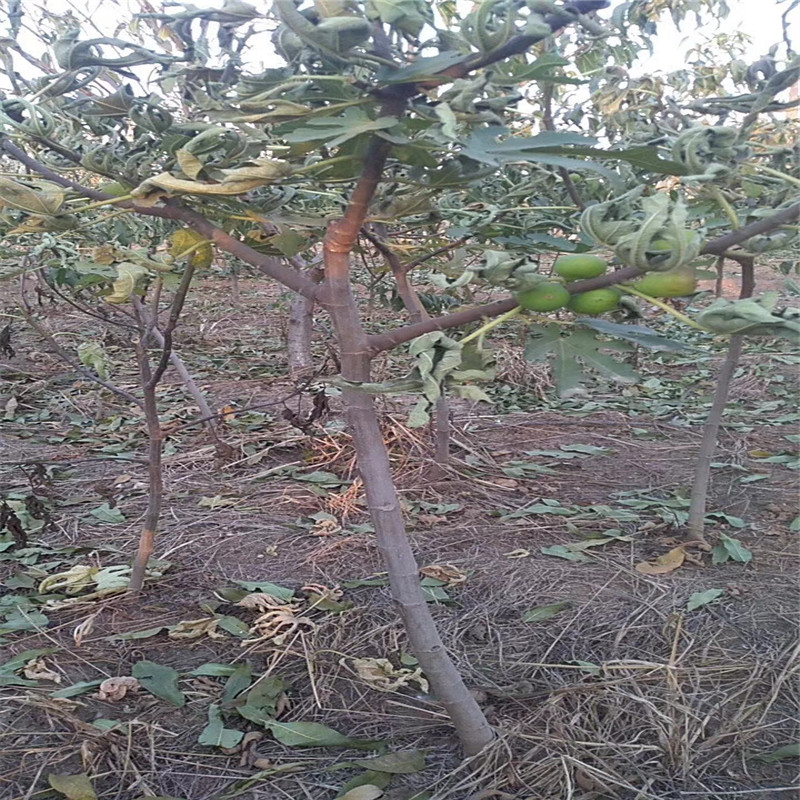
pixel 611 688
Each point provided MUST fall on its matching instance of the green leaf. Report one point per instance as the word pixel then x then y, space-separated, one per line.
pixel 334 131
pixel 215 734
pixel 261 703
pixel 539 508
pixel 77 688
pixel 237 682
pixel 17 662
pixel 366 791
pixel 272 589
pixel 159 680
pixel 787 751
pixel 795 525
pixel 730 549
pixel 542 613
pixel 699 599
pixel 638 334
pixel 572 350
pixel 107 514
pixel 404 762
pixel 20 619
pixel 560 551
pixel 214 669
pixel 234 626
pixel 73 787
pixel 313 734
pixel 143 634
pixel 368 778
pixel 422 68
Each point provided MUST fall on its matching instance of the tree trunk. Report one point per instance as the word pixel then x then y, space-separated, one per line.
pixel 155 488
pixel 375 470
pixel 708 444
pixel 298 339
pixel 702 474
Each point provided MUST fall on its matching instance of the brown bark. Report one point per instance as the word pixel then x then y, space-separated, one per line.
pixel 155 478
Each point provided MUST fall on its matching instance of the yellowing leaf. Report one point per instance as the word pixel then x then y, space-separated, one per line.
pixel 196 628
pixel 45 199
pixel 664 564
pixel 128 275
pixel 235 181
pixel 185 239
pixel 73 787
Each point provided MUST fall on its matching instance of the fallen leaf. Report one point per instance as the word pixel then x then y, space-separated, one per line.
pixel 664 564
pixel 73 787
pixel 113 689
pixel 383 676
pixel 405 762
pixel 159 680
pixel 367 791
pixel 542 613
pixel 37 670
pixel 446 573
pixel 699 599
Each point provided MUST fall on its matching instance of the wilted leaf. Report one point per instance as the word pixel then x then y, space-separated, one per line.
pixel 45 199
pixel 542 613
pixel 113 689
pixel 215 734
pixel 405 762
pixel 703 598
pixel 382 675
pixel 186 238
pixel 37 670
pixel 128 276
pixel 664 564
pixel 196 628
pixel 446 573
pixel 159 680
pixel 73 787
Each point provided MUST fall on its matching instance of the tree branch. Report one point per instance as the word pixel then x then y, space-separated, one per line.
pixel 293 280
pixel 719 245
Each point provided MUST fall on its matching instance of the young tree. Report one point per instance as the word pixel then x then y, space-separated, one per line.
pixel 382 114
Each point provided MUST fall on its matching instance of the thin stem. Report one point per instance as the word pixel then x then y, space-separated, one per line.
pixel 725 205
pixel 484 329
pixel 776 173
pixel 663 306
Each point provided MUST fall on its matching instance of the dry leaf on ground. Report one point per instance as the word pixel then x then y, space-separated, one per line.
pixel 113 689
pixel 664 564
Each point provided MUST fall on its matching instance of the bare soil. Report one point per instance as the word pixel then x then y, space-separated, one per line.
pixel 623 694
